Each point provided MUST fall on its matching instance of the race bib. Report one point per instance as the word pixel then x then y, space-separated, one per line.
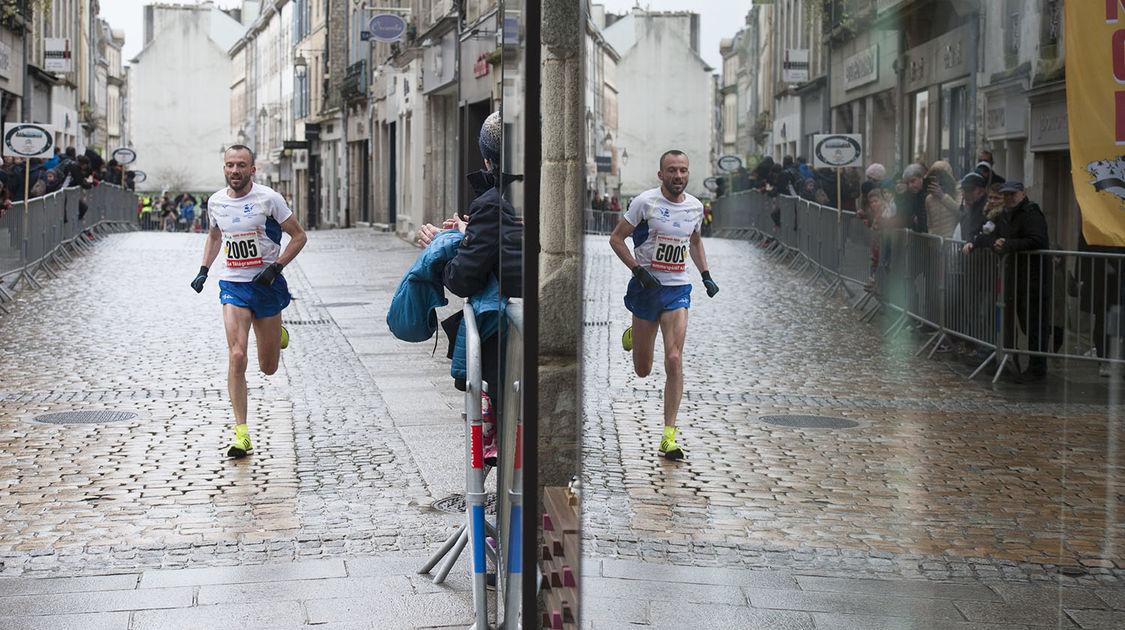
pixel 671 253
pixel 242 249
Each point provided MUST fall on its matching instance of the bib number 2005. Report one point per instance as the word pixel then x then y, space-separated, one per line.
pixel 242 250
pixel 671 254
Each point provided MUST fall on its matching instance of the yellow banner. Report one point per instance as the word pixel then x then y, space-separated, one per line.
pixel 1095 103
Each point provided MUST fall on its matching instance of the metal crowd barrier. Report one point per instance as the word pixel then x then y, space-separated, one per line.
pixel 47 231
pixel 476 531
pixel 1046 303
pixel 601 221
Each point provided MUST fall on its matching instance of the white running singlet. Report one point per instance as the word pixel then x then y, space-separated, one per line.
pixel 664 246
pixel 251 227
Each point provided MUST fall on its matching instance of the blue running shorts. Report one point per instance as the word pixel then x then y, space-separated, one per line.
pixel 650 303
pixel 262 301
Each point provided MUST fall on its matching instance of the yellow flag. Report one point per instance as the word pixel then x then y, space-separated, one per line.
pixel 1095 103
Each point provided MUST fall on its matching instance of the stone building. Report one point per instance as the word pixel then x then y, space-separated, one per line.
pixel 183 46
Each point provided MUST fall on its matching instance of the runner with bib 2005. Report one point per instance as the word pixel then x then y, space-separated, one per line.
pixel 665 225
pixel 247 220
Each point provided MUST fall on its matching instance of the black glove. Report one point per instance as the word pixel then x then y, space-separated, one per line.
pixel 712 288
pixel 648 280
pixel 197 284
pixel 266 276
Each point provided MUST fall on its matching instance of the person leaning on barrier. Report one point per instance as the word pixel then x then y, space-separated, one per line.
pixel 1023 228
pixel 911 198
pixel 974 198
pixel 486 264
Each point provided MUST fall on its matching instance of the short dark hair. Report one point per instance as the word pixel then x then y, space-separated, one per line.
pixel 241 147
pixel 675 152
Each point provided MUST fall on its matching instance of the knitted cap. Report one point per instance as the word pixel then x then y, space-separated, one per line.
pixel 876 172
pixel 490 137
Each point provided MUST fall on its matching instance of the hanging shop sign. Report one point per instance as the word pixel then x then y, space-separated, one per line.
pixel 386 27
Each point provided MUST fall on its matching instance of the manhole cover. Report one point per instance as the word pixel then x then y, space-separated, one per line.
pixel 341 304
pixel 84 417
pixel 810 422
pixel 456 504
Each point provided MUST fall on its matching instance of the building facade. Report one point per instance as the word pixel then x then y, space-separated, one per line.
pixel 178 132
pixel 661 114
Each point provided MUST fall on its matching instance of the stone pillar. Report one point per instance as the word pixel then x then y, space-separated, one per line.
pixel 562 184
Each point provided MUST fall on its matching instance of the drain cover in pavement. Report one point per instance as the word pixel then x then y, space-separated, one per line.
pixel 84 417
pixel 810 422
pixel 456 504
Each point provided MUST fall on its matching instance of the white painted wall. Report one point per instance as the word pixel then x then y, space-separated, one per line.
pixel 665 101
pixel 179 99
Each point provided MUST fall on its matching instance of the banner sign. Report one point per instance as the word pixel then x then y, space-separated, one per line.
pixel 28 140
pixel 1095 100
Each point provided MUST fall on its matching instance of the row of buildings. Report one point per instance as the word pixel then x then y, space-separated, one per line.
pixel 354 130
pixel 61 65
pixel 920 80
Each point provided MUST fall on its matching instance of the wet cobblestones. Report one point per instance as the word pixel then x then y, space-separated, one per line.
pixel 944 479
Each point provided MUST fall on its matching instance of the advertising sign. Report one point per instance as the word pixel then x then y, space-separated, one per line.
pixel 124 156
pixel 386 27
pixel 56 53
pixel 795 66
pixel 28 140
pixel 837 150
pixel 730 163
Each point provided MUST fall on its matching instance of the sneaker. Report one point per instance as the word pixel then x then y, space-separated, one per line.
pixel 284 338
pixel 627 339
pixel 240 446
pixel 668 446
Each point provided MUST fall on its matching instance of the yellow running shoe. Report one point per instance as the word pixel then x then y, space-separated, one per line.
pixel 668 446
pixel 284 338
pixel 627 339
pixel 240 446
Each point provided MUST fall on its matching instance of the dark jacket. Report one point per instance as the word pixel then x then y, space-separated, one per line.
pixel 972 219
pixel 493 242
pixel 913 209
pixel 1023 228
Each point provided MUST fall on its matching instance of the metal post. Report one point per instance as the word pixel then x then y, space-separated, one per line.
pixel 474 471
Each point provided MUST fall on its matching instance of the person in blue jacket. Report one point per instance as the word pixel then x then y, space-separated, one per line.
pixel 486 265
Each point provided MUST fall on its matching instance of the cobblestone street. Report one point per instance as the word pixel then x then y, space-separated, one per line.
pixel 969 503
pixel 331 474
pixel 943 478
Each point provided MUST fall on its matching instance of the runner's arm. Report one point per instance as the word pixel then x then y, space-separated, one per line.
pixel 623 230
pixel 212 247
pixel 695 249
pixel 297 240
